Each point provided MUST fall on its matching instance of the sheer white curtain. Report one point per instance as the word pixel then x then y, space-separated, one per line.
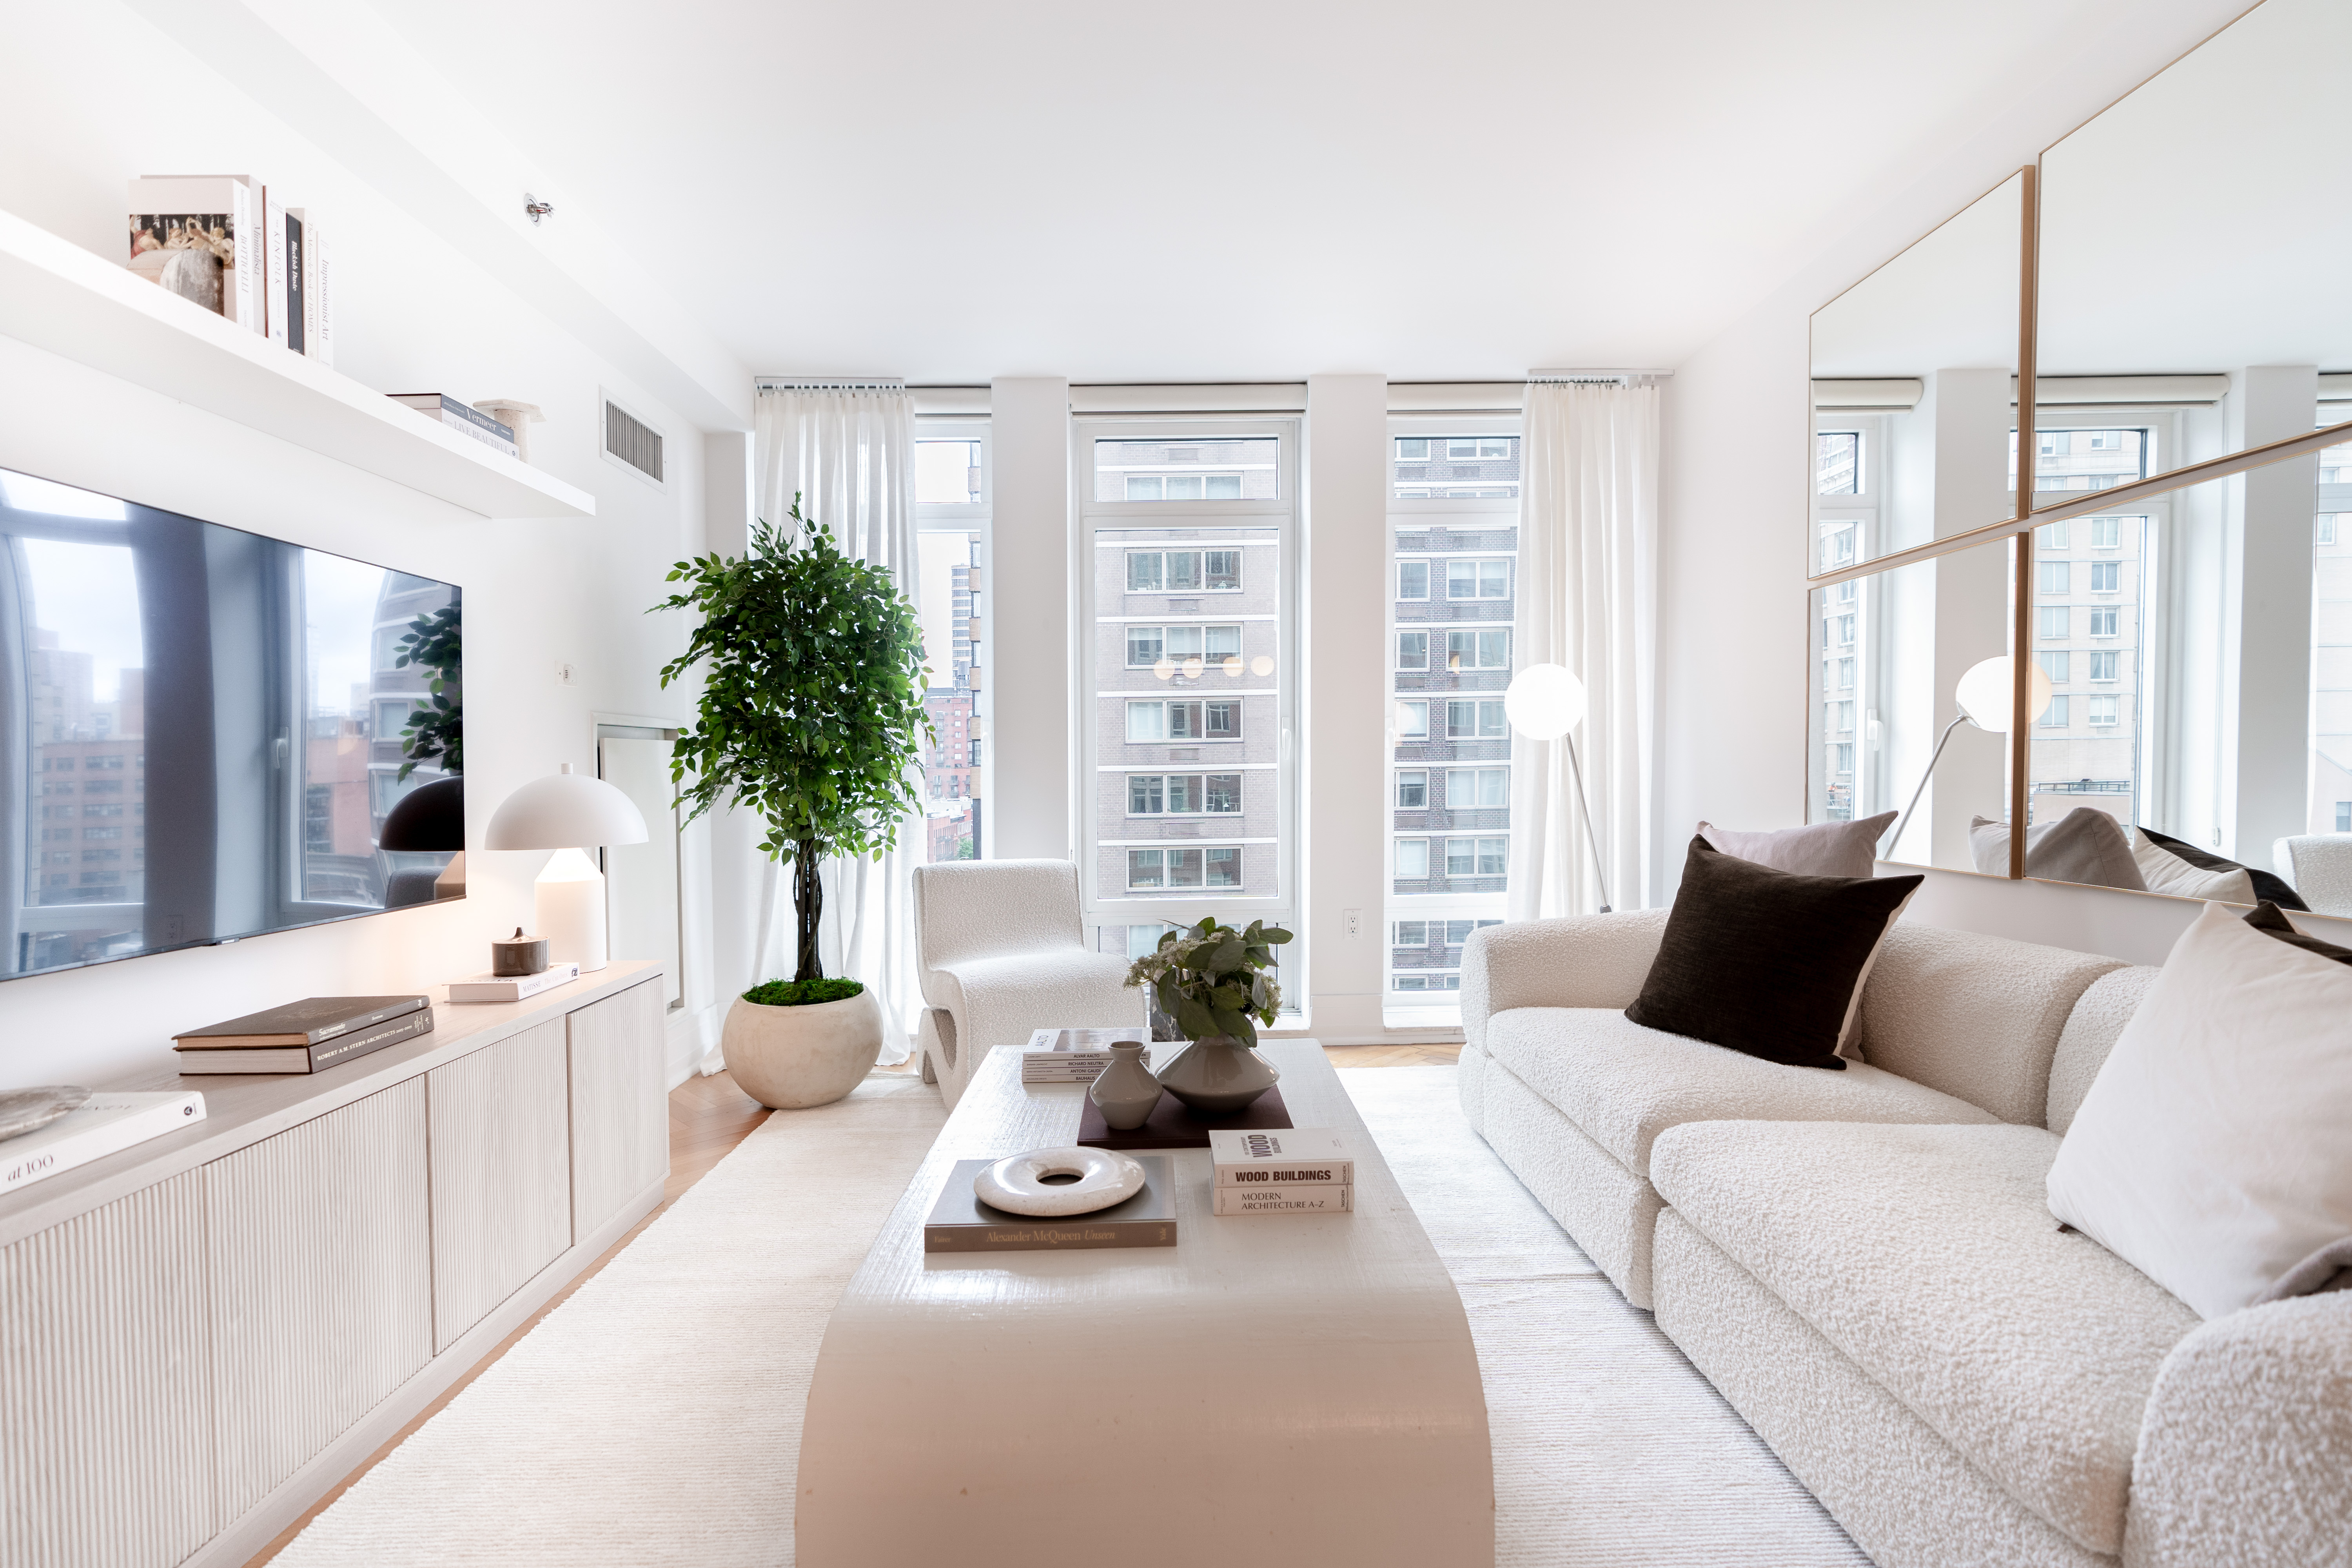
pixel 848 452
pixel 1588 600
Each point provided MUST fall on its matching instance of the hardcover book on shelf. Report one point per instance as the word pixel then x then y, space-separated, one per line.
pixel 308 1021
pixel 199 236
pixel 101 1126
pixel 960 1222
pixel 316 274
pixel 512 987
pixel 1288 1156
pixel 1076 1056
pixel 281 254
pixel 1336 1199
pixel 334 1051
pixel 462 417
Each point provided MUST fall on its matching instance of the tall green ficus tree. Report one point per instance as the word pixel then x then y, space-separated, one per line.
pixel 811 707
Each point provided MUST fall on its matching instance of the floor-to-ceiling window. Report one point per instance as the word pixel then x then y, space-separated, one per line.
pixel 951 519
pixel 2331 640
pixel 1453 516
pixel 1187 674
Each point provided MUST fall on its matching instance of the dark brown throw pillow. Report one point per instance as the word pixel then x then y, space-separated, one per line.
pixel 1764 961
pixel 2271 921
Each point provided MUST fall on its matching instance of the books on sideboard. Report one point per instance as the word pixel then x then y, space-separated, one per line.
pixel 315 1033
pixel 105 1123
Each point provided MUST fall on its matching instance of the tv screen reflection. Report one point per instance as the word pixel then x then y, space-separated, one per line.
pixel 204 734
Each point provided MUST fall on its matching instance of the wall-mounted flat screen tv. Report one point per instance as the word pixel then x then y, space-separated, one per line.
pixel 207 734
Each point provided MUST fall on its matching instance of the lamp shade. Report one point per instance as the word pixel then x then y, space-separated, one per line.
pixel 1983 693
pixel 1545 701
pixel 429 819
pixel 567 811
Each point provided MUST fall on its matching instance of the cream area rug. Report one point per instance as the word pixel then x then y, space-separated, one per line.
pixel 655 1417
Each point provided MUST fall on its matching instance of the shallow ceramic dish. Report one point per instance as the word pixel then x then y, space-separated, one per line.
pixel 1017 1185
pixel 24 1110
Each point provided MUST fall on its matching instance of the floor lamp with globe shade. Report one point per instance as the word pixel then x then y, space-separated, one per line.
pixel 1545 701
pixel 1984 695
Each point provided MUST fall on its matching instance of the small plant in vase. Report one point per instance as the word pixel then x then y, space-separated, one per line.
pixel 1217 982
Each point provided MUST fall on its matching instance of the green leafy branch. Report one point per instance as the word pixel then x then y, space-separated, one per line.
pixel 1214 980
pixel 435 726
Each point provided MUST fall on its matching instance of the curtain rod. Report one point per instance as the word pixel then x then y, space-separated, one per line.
pixel 1595 375
pixel 828 383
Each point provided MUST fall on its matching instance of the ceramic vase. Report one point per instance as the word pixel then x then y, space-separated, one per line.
pixel 1124 1091
pixel 1218 1076
pixel 789 1058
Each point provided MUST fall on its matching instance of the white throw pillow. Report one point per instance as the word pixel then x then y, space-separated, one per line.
pixel 2165 872
pixel 2215 1149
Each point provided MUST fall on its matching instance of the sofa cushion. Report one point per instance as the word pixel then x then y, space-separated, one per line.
pixel 1816 849
pixel 1941 1272
pixel 1767 962
pixel 1623 1084
pixel 2092 1030
pixel 1976 1016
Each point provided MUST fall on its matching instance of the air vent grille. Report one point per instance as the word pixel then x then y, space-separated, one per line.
pixel 632 442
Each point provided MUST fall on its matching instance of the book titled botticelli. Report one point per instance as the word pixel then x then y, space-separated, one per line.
pixel 960 1222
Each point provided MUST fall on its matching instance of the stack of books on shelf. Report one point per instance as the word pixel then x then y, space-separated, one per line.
pixel 512 987
pixel 1076 1056
pixel 223 242
pixel 1301 1170
pixel 308 1036
pixel 445 410
pixel 105 1123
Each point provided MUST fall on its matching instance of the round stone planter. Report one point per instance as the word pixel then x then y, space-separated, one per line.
pixel 789 1058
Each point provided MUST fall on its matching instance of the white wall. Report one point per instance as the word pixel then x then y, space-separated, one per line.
pixel 90 95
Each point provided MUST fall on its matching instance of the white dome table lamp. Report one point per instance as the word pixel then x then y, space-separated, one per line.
pixel 1983 695
pixel 569 813
pixel 1545 701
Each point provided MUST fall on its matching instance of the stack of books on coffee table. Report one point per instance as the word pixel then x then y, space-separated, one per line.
pixel 1287 1170
pixel 1076 1056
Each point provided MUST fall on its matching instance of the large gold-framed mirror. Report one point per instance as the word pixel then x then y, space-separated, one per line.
pixel 1913 369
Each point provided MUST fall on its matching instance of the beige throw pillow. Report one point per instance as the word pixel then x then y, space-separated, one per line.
pixel 1821 849
pixel 2210 1153
pixel 2165 872
pixel 2085 846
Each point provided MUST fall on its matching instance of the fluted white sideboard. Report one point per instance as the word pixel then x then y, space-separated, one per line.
pixel 200 1335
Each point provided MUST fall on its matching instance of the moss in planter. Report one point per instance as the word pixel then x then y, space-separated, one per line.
pixel 802 992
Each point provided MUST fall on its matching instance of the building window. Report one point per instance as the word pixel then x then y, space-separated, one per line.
pixel 1842 759
pixel 2104 620
pixel 2106 576
pixel 1413 790
pixel 1412 858
pixel 1837 463
pixel 2052 535
pixel 1477 788
pixel 2107 533
pixel 1412 720
pixel 1412 579
pixel 1190 865
pixel 1413 651
pixel 2054 716
pixel 1210 469
pixel 2102 711
pixel 2055 666
pixel 1840 540
pixel 1183 571
pixel 2344 816
pixel 2106 666
pixel 1477 579
pixel 1476 856
pixel 1146 646
pixel 2053 626
pixel 1844 627
pixel 1479 650
pixel 1475 719
pixel 2054 575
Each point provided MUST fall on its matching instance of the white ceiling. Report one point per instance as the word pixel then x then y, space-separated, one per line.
pixel 1229 191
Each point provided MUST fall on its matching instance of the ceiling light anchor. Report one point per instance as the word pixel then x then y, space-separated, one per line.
pixel 536 208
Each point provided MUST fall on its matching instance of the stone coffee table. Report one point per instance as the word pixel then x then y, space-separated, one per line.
pixel 1279 1389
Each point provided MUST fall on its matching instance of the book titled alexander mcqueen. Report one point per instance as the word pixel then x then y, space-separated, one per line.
pixel 340 1048
pixel 1281 1157
pixel 960 1222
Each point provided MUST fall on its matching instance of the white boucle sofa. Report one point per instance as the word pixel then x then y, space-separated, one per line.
pixel 1864 1263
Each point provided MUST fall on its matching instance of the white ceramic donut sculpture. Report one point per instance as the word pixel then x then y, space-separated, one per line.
pixel 1016 1184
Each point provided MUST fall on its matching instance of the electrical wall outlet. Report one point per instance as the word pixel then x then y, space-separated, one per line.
pixel 566 676
pixel 1355 922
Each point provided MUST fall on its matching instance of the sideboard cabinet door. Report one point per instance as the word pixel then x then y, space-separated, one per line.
pixel 322 1284
pixel 620 1115
pixel 106 1443
pixel 501 1173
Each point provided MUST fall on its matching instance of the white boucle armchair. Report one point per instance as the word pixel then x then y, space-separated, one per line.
pixel 1002 952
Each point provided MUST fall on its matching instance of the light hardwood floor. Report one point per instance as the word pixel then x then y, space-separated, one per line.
pixel 707 1117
